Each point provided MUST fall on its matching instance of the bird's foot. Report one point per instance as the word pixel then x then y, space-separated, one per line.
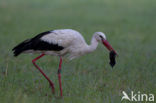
pixel 52 87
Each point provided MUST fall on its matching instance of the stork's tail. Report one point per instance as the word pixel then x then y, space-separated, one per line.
pixel 25 45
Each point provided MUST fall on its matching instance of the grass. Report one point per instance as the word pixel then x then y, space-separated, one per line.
pixel 129 26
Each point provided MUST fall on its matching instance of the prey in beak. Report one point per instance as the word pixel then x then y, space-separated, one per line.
pixel 100 36
pixel 112 54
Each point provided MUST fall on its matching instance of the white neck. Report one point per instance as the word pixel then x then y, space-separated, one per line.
pixel 92 46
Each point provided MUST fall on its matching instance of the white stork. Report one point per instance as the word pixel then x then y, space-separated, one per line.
pixel 59 43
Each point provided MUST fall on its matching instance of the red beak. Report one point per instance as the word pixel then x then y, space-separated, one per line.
pixel 108 46
pixel 112 54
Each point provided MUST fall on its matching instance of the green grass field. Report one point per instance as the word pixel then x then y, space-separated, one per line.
pixel 130 27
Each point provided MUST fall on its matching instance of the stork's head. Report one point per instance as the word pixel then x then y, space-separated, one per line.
pixel 101 37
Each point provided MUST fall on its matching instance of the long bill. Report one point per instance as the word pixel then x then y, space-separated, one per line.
pixel 108 46
pixel 112 54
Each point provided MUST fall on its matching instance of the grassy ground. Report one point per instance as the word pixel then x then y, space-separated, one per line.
pixel 129 26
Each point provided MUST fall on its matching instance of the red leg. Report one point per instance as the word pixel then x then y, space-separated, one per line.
pixel 50 82
pixel 59 75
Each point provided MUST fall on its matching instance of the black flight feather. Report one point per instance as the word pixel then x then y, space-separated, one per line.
pixel 36 44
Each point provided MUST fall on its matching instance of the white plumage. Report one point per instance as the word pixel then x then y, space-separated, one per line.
pixel 72 41
pixel 62 37
pixel 67 38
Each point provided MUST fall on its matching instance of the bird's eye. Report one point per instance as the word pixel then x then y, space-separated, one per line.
pixel 101 37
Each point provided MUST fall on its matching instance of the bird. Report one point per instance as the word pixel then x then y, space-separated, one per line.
pixel 62 43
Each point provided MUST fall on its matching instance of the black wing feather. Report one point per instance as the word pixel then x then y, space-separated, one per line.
pixel 36 44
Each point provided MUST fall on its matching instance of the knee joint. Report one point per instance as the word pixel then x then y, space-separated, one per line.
pixel 59 71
